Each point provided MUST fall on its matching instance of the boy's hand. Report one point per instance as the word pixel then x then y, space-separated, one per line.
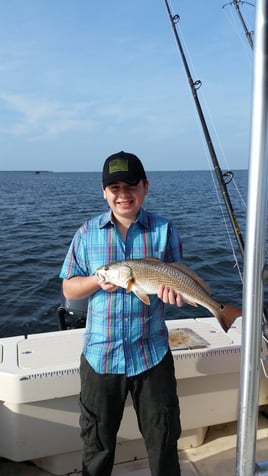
pixel 169 296
pixel 109 287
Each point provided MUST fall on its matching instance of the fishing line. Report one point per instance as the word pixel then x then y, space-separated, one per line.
pixel 195 86
pixel 248 34
pixel 231 18
pixel 208 111
pixel 227 226
pixel 204 100
pixel 189 59
pixel 223 209
pixel 223 155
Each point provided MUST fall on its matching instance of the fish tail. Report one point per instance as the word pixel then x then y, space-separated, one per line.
pixel 227 315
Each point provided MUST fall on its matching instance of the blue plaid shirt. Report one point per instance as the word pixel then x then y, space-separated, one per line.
pixel 122 335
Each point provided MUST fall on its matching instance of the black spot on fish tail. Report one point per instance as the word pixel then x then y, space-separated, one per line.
pixel 227 314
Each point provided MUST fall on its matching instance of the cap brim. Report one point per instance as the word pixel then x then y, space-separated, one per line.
pixel 121 179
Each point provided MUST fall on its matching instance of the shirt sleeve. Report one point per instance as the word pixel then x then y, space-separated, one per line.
pixel 174 245
pixel 76 262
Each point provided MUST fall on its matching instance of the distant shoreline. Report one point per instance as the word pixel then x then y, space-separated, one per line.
pixel 28 171
pixel 37 172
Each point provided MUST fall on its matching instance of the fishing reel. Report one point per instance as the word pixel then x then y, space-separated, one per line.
pixel 72 313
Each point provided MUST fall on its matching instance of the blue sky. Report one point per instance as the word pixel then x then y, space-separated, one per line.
pixel 82 79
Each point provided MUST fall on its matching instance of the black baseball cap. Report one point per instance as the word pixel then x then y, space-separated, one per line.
pixel 122 167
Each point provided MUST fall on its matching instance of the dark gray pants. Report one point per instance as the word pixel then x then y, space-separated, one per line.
pixel 155 401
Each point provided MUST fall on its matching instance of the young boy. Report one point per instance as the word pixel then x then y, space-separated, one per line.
pixel 125 346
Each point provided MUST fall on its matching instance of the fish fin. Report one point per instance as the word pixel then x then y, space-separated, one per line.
pixel 139 293
pixel 129 285
pixel 184 269
pixel 227 314
pixel 191 303
pixel 142 296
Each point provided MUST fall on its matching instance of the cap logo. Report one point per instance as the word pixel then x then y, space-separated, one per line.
pixel 118 165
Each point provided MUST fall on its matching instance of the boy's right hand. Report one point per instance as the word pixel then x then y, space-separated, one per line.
pixel 108 287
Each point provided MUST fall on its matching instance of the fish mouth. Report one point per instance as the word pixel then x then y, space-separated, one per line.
pixel 100 277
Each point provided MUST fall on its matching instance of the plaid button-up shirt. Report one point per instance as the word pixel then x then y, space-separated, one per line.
pixel 122 335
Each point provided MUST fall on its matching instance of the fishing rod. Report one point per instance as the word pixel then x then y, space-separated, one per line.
pixel 248 33
pixel 249 37
pixel 251 343
pixel 219 174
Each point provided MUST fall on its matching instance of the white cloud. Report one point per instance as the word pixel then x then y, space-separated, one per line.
pixel 37 118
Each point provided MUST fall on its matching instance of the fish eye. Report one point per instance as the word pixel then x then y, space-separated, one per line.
pixel 106 267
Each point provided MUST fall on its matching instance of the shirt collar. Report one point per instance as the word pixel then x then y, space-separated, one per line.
pixel 106 219
pixel 143 218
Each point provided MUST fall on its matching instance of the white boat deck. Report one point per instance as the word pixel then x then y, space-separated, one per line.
pixel 39 411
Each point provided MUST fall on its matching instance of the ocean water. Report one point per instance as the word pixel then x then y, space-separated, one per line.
pixel 41 212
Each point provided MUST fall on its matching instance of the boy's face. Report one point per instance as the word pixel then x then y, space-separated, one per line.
pixel 125 200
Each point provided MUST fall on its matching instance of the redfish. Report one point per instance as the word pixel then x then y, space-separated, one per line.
pixel 145 276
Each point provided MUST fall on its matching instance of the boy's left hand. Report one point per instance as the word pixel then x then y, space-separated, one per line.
pixel 169 296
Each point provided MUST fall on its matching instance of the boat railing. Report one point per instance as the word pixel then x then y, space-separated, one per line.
pixel 254 263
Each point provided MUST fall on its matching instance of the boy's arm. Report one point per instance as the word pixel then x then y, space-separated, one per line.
pixel 79 287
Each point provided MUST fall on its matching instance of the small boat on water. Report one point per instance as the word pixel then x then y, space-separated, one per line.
pixel 39 383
